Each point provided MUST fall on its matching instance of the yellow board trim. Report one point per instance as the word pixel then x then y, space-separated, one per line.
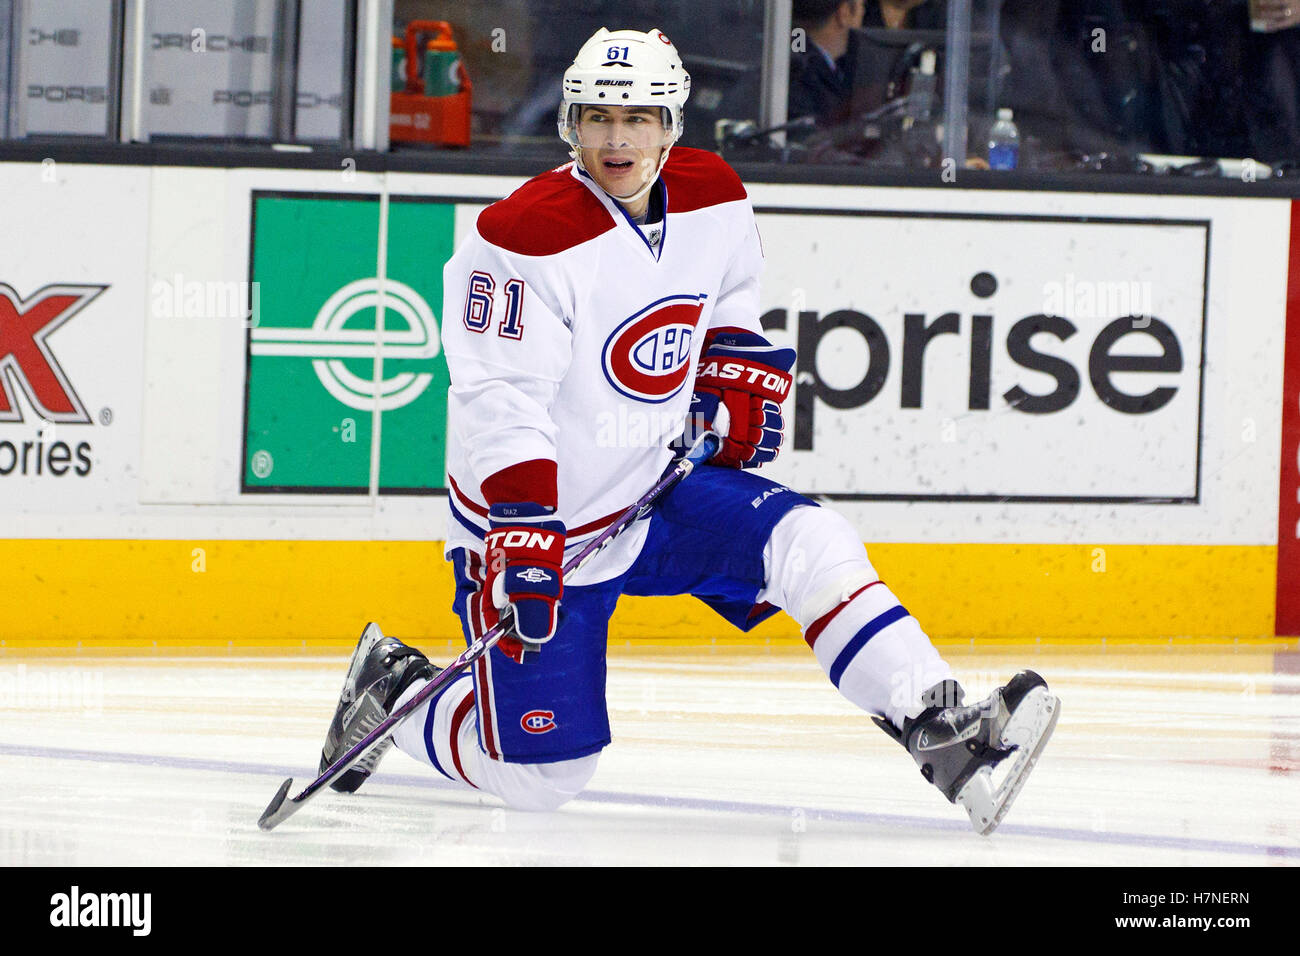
pixel 282 595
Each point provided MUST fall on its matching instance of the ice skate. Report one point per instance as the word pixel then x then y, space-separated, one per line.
pixel 381 669
pixel 960 748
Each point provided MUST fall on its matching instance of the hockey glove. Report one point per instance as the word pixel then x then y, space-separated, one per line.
pixel 742 381
pixel 525 556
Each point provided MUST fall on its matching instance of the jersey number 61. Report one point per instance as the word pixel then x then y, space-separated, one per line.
pixel 478 305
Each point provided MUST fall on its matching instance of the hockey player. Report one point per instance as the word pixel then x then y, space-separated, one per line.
pixel 590 314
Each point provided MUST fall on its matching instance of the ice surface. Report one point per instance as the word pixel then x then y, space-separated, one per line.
pixel 733 755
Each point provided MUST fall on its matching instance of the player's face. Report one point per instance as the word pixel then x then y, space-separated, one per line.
pixel 620 146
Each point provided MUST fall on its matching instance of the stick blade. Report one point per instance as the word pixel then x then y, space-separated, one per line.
pixel 278 809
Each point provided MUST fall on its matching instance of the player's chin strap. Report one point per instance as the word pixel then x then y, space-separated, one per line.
pixel 663 160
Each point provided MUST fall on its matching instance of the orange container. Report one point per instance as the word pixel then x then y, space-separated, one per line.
pixel 436 120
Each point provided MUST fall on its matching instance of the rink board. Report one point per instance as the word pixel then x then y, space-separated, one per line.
pixel 1049 415
pixel 89 594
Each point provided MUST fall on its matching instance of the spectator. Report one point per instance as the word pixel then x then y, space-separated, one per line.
pixel 1125 77
pixel 905 14
pixel 1272 81
pixel 821 79
pixel 1276 15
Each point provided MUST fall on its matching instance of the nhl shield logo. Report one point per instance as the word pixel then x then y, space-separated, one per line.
pixel 648 357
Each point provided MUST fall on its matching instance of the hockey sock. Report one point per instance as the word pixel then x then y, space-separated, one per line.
pixel 870 647
pixel 875 652
pixel 443 732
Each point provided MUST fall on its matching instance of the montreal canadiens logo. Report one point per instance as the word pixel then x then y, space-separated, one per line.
pixel 538 721
pixel 648 357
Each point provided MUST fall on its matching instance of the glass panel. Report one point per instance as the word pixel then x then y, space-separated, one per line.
pixel 208 69
pixel 6 40
pixel 324 85
pixel 515 53
pixel 1188 87
pixel 64 61
pixel 871 90
pixel 1153 87
pixel 992 136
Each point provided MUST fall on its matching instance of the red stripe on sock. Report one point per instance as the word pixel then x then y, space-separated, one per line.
pixel 458 718
pixel 484 691
pixel 481 686
pixel 815 629
pixel 477 612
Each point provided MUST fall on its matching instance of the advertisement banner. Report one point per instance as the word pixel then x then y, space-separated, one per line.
pixel 964 357
pixel 224 386
pixel 71 324
pixel 323 374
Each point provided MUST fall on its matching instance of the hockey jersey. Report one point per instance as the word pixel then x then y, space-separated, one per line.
pixel 571 338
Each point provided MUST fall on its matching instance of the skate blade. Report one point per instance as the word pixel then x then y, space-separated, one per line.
pixel 1028 730
pixel 351 780
pixel 371 636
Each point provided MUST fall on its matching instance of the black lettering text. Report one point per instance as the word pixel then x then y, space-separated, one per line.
pixel 1021 350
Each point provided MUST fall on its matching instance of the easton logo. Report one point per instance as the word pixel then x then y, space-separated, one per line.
pixel 771 492
pixel 26 360
pixel 538 721
pixel 520 538
pixel 774 382
pixel 648 357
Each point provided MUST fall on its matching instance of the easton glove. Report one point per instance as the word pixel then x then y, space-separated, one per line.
pixel 742 381
pixel 525 557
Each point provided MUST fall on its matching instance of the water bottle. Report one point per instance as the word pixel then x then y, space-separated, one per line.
pixel 1004 142
pixel 398 79
pixel 441 68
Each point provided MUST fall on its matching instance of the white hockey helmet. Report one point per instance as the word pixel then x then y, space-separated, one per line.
pixel 626 68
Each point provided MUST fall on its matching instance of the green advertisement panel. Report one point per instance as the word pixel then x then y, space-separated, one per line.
pixel 323 371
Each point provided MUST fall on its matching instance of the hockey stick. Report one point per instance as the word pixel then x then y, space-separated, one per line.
pixel 280 809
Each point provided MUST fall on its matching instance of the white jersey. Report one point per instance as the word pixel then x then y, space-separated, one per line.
pixel 571 338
